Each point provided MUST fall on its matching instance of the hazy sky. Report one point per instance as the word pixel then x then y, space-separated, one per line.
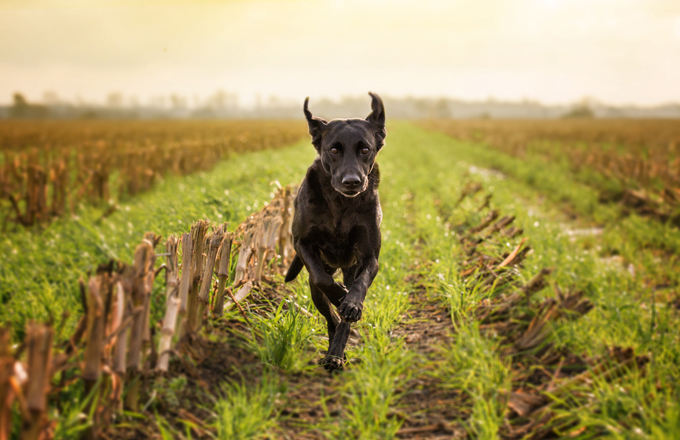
pixel 556 51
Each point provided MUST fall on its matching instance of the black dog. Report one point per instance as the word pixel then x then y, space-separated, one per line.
pixel 337 220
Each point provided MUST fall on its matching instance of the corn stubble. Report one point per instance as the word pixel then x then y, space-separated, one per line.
pixel 526 328
pixel 641 157
pixel 47 168
pixel 112 347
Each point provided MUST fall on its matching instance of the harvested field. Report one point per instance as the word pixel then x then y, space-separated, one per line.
pixel 490 317
pixel 634 162
pixel 48 168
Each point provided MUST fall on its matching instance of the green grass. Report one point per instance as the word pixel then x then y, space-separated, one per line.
pixel 248 411
pixel 423 175
pixel 624 314
pixel 282 339
pixel 637 239
pixel 371 389
pixel 473 365
pixel 40 271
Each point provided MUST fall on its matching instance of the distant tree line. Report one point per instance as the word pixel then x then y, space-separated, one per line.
pixel 22 109
pixel 226 105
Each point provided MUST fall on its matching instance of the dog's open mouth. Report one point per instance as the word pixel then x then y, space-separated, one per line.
pixel 350 193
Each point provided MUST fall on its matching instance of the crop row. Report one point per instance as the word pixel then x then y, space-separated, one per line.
pixel 543 375
pixel 48 168
pixel 112 350
pixel 636 162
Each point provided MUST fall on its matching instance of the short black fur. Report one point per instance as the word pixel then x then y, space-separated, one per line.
pixel 337 220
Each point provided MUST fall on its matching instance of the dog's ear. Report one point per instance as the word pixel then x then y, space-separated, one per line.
pixel 377 119
pixel 316 126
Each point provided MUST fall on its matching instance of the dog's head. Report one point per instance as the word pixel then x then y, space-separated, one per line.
pixel 348 147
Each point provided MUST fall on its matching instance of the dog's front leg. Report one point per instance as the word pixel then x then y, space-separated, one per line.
pixel 335 358
pixel 353 304
pixel 333 290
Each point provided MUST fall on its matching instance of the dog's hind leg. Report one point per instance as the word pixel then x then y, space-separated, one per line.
pixel 323 305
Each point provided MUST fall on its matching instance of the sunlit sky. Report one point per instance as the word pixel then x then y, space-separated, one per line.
pixel 555 51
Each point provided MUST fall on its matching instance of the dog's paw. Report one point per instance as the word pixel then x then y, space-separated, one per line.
pixel 332 363
pixel 351 310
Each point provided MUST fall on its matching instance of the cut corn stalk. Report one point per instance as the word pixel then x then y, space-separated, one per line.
pixel 198 235
pixel 173 304
pixel 244 254
pixel 6 392
pixel 242 294
pixel 185 282
pixel 39 349
pixel 139 294
pixel 206 280
pixel 223 271
pixel 95 333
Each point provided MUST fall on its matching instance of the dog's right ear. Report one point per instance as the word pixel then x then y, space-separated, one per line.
pixel 316 126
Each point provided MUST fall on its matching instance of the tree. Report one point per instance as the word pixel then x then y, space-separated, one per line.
pixel 20 106
pixel 580 112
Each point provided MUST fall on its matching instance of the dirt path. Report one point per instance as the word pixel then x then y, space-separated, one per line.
pixel 428 407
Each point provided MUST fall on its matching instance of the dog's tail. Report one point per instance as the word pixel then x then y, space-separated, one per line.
pixel 295 267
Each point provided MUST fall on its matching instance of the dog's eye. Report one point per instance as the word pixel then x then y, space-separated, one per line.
pixel 364 150
pixel 334 150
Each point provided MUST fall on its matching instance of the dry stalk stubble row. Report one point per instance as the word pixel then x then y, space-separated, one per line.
pixel 641 156
pixel 48 167
pixel 112 347
pixel 525 327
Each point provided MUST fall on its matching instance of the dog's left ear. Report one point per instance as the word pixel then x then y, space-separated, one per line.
pixel 377 119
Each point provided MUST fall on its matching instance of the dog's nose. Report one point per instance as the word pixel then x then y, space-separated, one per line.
pixel 351 181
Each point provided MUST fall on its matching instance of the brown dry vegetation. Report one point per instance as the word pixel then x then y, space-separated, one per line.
pixel 525 326
pixel 112 348
pixel 48 167
pixel 638 161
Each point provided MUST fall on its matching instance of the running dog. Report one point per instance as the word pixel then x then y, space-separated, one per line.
pixel 337 220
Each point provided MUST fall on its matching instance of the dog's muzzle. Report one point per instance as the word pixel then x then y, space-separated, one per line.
pixel 352 185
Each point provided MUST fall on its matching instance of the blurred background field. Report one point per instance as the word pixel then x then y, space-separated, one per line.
pixel 47 168
pixel 634 162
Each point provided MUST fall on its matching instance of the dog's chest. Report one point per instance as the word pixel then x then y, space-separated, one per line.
pixel 338 244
